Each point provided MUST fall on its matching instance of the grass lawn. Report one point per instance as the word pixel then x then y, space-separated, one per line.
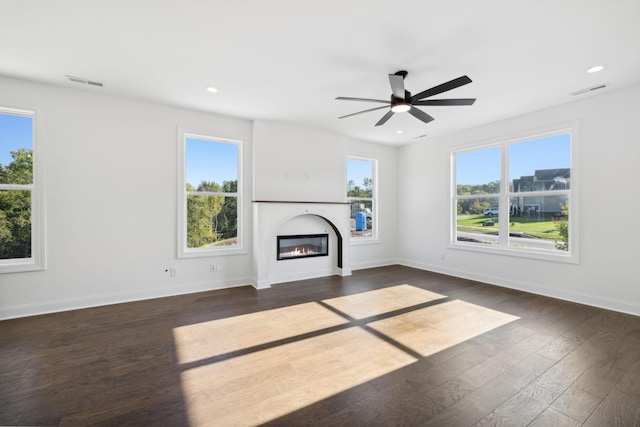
pixel 544 227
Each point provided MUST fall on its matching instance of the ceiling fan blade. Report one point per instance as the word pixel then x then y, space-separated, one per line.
pixel 452 84
pixel 461 101
pixel 384 118
pixel 397 85
pixel 365 111
pixel 344 98
pixel 420 115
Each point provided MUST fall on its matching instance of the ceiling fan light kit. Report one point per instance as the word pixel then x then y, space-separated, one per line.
pixel 402 101
pixel 400 108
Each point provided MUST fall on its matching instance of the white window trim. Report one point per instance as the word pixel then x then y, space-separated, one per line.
pixel 182 250
pixel 37 260
pixel 573 255
pixel 374 202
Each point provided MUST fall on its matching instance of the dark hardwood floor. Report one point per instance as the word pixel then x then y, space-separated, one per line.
pixel 364 350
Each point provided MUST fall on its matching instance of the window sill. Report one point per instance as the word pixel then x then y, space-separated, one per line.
pixel 357 241
pixel 207 253
pixel 568 258
pixel 20 266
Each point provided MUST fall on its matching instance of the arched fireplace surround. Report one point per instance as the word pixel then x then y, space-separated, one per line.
pixel 270 216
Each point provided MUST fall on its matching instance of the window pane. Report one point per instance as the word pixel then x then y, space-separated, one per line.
pixel 360 193
pixel 212 221
pixel 539 222
pixel 361 218
pixel 16 147
pixel 477 220
pixel 209 163
pixel 15 224
pixel 478 171
pixel 541 164
pixel 359 178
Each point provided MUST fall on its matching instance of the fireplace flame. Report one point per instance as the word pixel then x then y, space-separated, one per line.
pixel 303 251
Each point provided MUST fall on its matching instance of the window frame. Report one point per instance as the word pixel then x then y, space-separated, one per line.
pixel 36 188
pixel 374 200
pixel 183 251
pixel 504 196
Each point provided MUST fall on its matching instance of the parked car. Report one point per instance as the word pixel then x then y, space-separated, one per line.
pixel 491 211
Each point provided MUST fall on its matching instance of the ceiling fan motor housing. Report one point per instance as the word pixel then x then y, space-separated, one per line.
pixel 401 100
pixel 401 105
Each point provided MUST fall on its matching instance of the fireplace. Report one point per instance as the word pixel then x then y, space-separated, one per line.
pixel 302 246
pixel 273 219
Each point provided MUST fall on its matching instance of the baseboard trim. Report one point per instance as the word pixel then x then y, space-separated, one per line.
pixel 373 264
pixel 35 309
pixel 26 310
pixel 534 288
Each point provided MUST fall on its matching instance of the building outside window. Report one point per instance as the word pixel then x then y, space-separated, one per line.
pixel 209 212
pixel 21 210
pixel 362 195
pixel 516 198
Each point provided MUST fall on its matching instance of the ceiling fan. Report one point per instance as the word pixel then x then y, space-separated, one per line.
pixel 402 101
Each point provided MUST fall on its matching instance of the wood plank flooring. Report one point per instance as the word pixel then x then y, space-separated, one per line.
pixel 391 346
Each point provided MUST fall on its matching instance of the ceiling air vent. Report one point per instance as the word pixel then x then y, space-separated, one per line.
pixel 83 81
pixel 589 89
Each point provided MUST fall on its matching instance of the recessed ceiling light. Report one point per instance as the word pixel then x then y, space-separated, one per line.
pixel 595 69
pixel 212 89
pixel 399 132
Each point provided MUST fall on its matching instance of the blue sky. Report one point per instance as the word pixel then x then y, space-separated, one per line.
pixel 211 161
pixel 483 166
pixel 358 170
pixel 15 132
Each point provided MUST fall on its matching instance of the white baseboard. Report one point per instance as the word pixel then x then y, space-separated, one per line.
pixel 373 264
pixel 25 310
pixel 534 288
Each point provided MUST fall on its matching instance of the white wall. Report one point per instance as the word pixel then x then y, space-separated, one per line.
pixel 298 164
pixel 110 178
pixel 609 152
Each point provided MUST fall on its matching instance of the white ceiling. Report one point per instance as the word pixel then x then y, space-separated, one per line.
pixel 287 60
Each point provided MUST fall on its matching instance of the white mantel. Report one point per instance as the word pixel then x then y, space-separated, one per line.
pixel 271 216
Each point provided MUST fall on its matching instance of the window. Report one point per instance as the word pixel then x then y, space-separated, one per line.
pixel 210 203
pixel 361 193
pixel 21 224
pixel 527 216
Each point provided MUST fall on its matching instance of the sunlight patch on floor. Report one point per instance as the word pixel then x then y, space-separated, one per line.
pixel 216 337
pixel 324 353
pixel 380 301
pixel 436 328
pixel 258 387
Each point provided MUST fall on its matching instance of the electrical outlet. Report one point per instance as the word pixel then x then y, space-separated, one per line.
pixel 219 266
pixel 173 272
pixel 212 268
pixel 442 256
